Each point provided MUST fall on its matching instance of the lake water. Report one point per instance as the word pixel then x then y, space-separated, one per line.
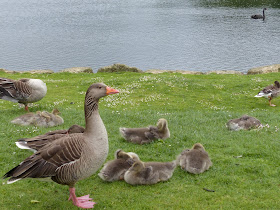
pixel 197 35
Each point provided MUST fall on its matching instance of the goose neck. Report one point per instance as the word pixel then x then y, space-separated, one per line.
pixel 94 124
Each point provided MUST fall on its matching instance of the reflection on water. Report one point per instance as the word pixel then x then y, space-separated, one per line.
pixel 148 34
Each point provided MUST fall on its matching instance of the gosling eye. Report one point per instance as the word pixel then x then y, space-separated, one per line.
pixel 99 87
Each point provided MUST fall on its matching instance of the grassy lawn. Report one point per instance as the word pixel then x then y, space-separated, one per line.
pixel 196 107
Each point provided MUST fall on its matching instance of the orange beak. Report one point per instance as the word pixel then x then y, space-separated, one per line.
pixel 111 91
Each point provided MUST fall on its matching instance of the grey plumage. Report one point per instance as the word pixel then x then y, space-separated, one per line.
pixel 73 157
pixel 40 119
pixel 270 92
pixel 243 123
pixel 37 142
pixel 114 170
pixel 147 134
pixel 22 91
pixel 149 172
pixel 195 160
pixel 165 169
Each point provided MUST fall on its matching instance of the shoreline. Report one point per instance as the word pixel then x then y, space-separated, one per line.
pixel 124 68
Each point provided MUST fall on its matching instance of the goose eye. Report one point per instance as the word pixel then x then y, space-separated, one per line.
pixel 99 87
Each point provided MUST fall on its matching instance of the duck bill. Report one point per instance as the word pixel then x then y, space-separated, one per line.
pixel 110 91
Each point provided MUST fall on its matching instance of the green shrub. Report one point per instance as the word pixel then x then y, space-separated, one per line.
pixel 118 68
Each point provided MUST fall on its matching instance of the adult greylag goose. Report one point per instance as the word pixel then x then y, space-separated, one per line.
pixel 114 170
pixel 22 91
pixel 195 160
pixel 37 142
pixel 270 92
pixel 73 157
pixel 243 123
pixel 149 172
pixel 259 16
pixel 40 119
pixel 148 134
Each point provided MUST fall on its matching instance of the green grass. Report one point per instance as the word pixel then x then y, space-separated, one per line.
pixel 196 107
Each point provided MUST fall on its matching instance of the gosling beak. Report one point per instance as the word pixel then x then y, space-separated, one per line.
pixel 111 91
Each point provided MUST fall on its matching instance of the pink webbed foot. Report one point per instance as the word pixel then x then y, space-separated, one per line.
pixel 82 202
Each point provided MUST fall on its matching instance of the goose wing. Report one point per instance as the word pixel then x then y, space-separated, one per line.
pixel 37 142
pixel 50 133
pixel 48 160
pixel 268 89
pixel 14 90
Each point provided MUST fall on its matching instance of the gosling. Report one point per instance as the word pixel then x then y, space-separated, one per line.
pixel 114 170
pixel 195 160
pixel 148 173
pixel 148 134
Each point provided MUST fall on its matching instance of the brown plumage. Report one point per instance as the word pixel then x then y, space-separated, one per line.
pixel 149 172
pixel 195 160
pixel 148 134
pixel 40 119
pixel 270 92
pixel 37 142
pixel 73 157
pixel 114 170
pixel 243 123
pixel 72 129
pixel 22 91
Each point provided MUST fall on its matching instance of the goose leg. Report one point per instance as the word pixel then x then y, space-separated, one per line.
pixel 270 102
pixel 26 108
pixel 82 202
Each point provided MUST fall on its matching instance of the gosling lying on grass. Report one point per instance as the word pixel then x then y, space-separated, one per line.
pixel 195 160
pixel 148 134
pixel 40 119
pixel 243 123
pixel 114 170
pixel 149 172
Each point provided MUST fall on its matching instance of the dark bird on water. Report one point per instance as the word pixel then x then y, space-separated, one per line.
pixel 259 16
